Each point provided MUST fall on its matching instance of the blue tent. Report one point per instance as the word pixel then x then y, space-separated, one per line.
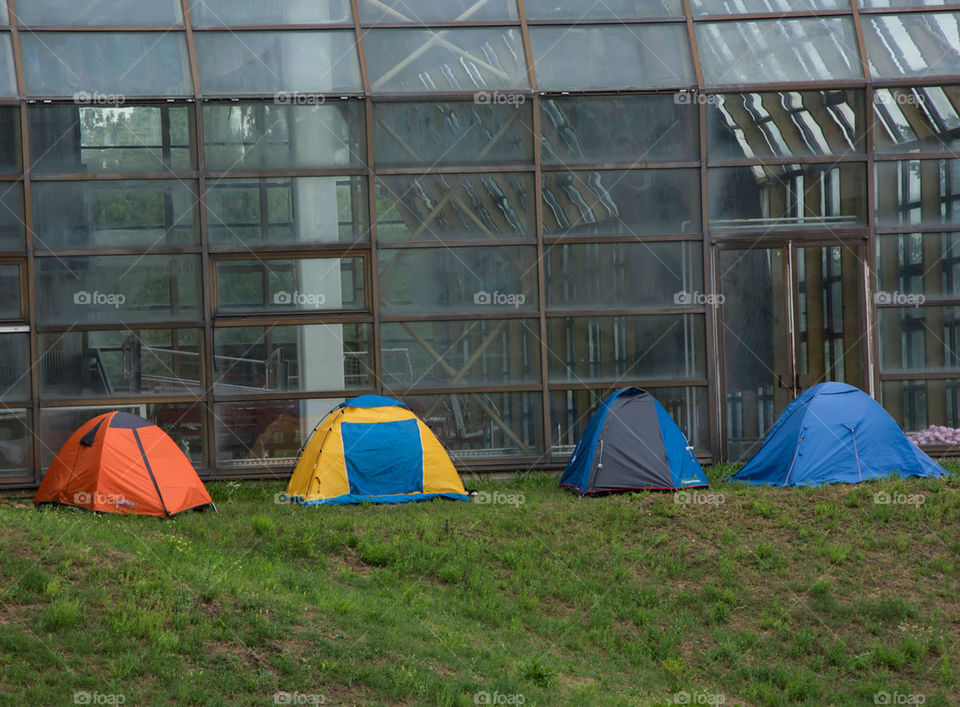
pixel 835 433
pixel 630 444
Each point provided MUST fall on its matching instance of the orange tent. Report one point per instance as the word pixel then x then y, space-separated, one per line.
pixel 121 463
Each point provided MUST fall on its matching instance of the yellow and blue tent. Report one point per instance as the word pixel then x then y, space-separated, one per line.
pixel 373 449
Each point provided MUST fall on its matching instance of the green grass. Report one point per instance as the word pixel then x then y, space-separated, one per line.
pixel 762 596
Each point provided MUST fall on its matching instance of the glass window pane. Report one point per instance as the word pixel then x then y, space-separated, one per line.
pixel 767 51
pixel 224 13
pixel 118 288
pixel 921 339
pixel 928 410
pixel 918 192
pixel 374 12
pixel 785 123
pixel 912 44
pixel 635 202
pixel 488 280
pixel 925 264
pixel 426 60
pixel 455 206
pixel 460 353
pixel 16 452
pixel 4 14
pixel 453 132
pixel 12 228
pixel 880 4
pixel 129 138
pixel 792 195
pixel 290 284
pixel 15 367
pixel 9 140
pixel 115 214
pixel 271 136
pixel 622 275
pixel 571 410
pixel 182 421
pixel 281 358
pixel 656 347
pixel 916 119
pixel 287 210
pixel 612 56
pixel 104 364
pixel 271 62
pixel 10 291
pixel 579 10
pixel 743 7
pixel 634 129
pixel 111 65
pixel 100 13
pixel 483 425
pixel 8 78
pixel 256 434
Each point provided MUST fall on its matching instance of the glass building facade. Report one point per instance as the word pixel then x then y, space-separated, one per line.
pixel 228 216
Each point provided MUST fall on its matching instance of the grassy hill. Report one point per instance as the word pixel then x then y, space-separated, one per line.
pixel 739 595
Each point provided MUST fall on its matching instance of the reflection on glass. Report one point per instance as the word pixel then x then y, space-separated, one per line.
pixel 785 123
pixel 792 195
pixel 9 139
pixel 8 77
pixel 656 347
pixel 744 7
pixel 14 368
pixel 11 216
pixel 272 136
pixel 612 56
pixel 927 410
pixel 422 60
pixel 223 13
pixel 453 132
pixel 634 129
pixel 460 353
pixel 489 280
pixel 622 275
pixel 118 288
pixel 455 206
pixel 918 192
pixel 108 64
pixel 912 44
pixel 919 264
pixel 290 284
pixel 923 119
pixel 919 339
pixel 647 202
pixel 115 214
pixel 268 62
pixel 98 13
pixel 103 364
pixel 281 358
pixel 376 12
pixel 581 10
pixel 128 138
pixel 768 51
pixel 282 210
pixel 10 291
pixel 16 445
